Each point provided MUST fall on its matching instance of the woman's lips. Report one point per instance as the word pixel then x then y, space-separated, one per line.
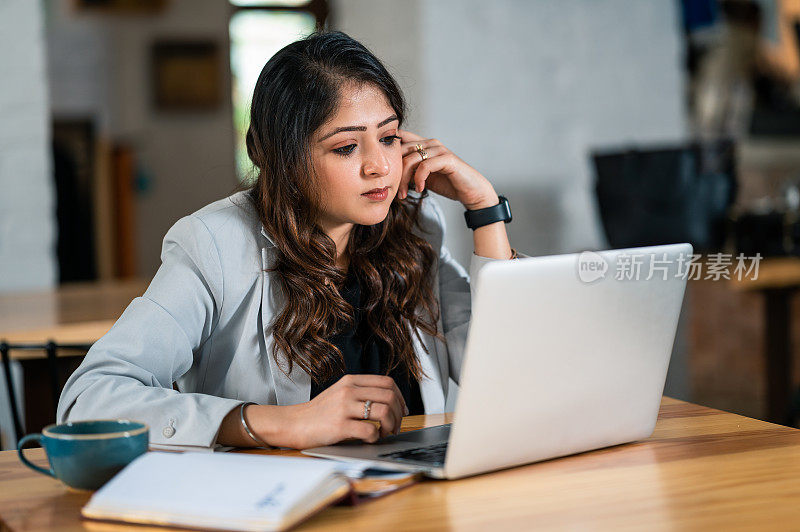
pixel 380 195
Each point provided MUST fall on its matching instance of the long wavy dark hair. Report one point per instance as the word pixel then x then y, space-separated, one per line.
pixel 296 93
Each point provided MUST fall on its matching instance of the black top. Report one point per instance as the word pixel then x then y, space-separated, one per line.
pixel 363 354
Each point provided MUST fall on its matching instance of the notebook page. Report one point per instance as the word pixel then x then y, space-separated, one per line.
pixel 211 486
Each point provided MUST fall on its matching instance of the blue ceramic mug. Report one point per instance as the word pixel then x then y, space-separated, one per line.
pixel 86 454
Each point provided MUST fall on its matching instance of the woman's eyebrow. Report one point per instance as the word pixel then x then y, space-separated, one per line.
pixel 357 128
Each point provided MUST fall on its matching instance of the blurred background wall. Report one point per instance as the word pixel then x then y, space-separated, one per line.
pixel 521 110
pixel 100 66
pixel 520 90
pixel 523 91
pixel 27 218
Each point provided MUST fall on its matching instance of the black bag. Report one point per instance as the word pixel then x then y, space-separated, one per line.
pixel 666 195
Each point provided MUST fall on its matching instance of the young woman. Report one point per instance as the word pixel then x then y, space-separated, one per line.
pixel 290 312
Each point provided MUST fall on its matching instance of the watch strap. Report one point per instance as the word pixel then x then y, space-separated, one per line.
pixel 489 215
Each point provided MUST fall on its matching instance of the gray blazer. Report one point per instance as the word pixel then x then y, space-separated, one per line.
pixel 204 323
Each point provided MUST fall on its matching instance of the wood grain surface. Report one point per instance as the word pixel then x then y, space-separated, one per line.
pixel 73 313
pixel 701 468
pixel 773 273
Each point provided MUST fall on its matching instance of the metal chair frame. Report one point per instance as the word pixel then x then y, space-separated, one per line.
pixel 51 349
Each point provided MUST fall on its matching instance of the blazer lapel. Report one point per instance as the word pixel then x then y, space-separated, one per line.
pixel 433 387
pixel 295 387
pixel 440 350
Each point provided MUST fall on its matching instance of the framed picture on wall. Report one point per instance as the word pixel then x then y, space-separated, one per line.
pixel 186 75
pixel 120 7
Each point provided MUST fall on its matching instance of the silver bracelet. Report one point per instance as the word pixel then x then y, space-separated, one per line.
pixel 247 428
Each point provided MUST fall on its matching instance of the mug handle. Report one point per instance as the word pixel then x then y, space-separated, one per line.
pixel 38 439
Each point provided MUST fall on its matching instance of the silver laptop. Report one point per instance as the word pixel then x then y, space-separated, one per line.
pixel 564 354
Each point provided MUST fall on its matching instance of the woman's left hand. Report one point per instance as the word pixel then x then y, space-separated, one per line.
pixel 442 172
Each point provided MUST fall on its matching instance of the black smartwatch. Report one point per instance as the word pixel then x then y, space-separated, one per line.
pixel 489 215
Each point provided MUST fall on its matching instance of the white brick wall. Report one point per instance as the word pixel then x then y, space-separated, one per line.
pixel 27 194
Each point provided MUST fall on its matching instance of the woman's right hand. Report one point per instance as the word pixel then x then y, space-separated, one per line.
pixel 336 414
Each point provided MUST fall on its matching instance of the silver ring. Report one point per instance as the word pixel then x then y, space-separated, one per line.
pixel 367 405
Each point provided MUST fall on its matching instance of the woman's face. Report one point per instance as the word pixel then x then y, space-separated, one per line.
pixel 354 152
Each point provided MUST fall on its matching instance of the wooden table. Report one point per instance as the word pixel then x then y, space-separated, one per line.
pixel 778 280
pixel 701 468
pixel 75 313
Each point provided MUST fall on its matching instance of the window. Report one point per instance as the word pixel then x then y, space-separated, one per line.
pixel 258 29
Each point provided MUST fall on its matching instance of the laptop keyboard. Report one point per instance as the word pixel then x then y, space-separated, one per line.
pixel 433 454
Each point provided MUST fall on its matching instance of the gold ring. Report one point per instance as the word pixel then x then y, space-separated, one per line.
pixel 421 151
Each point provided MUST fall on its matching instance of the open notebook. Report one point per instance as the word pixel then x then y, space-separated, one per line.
pixel 218 490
